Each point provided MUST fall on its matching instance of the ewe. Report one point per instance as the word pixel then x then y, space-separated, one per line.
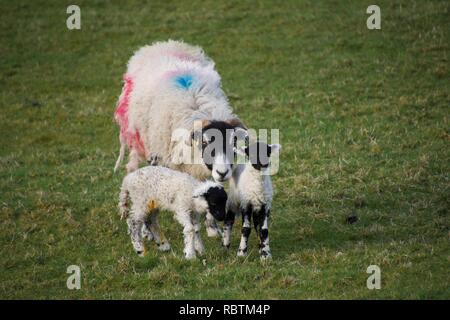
pixel 169 87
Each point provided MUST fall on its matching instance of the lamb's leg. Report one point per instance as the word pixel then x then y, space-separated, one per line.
pixel 227 228
pixel 133 161
pixel 135 230
pixel 146 233
pixel 246 229
pixel 198 243
pixel 184 218
pixel 211 226
pixel 261 222
pixel 152 223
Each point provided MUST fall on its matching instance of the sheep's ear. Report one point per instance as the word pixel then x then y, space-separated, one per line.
pixel 196 133
pixel 237 123
pixel 275 148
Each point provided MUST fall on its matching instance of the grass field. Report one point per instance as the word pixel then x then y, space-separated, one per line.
pixel 364 122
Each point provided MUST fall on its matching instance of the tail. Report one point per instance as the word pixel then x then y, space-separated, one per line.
pixel 124 197
pixel 121 155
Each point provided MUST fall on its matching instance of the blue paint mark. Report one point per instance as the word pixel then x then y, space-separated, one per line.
pixel 184 81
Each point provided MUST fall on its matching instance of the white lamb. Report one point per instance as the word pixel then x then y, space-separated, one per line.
pixel 151 188
pixel 250 195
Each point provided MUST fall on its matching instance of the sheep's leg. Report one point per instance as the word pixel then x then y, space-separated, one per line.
pixel 152 223
pixel 261 222
pixel 211 226
pixel 246 229
pixel 135 230
pixel 184 218
pixel 198 243
pixel 133 161
pixel 227 228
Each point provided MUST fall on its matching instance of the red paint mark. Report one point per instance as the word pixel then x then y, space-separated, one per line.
pixel 131 136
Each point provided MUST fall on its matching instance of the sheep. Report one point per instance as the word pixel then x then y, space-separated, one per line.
pixel 251 194
pixel 151 188
pixel 172 97
pixel 171 104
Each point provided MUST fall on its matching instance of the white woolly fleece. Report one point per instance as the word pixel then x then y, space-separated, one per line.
pixel 172 190
pixel 249 186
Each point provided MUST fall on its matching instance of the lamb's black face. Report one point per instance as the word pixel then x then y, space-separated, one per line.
pixel 216 197
pixel 259 155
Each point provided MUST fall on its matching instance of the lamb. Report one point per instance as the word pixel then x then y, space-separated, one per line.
pixel 151 188
pixel 251 194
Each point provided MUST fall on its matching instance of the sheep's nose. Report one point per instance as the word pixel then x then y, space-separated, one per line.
pixel 222 174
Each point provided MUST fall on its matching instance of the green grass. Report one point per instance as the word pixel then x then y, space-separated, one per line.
pixel 364 121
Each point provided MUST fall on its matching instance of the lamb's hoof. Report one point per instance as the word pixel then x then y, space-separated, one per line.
pixel 165 246
pixel 266 256
pixel 213 232
pixel 242 253
pixel 200 250
pixel 226 246
pixel 142 253
pixel 189 256
pixel 147 234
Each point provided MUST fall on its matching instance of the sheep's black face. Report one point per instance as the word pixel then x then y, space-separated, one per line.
pixel 217 140
pixel 216 197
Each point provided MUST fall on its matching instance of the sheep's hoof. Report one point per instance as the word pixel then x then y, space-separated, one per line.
pixel 226 246
pixel 213 232
pixel 153 161
pixel 165 246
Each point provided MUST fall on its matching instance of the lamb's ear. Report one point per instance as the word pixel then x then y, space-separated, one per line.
pixel 239 134
pixel 275 148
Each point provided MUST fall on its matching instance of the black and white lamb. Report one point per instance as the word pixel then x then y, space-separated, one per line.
pixel 151 188
pixel 251 195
